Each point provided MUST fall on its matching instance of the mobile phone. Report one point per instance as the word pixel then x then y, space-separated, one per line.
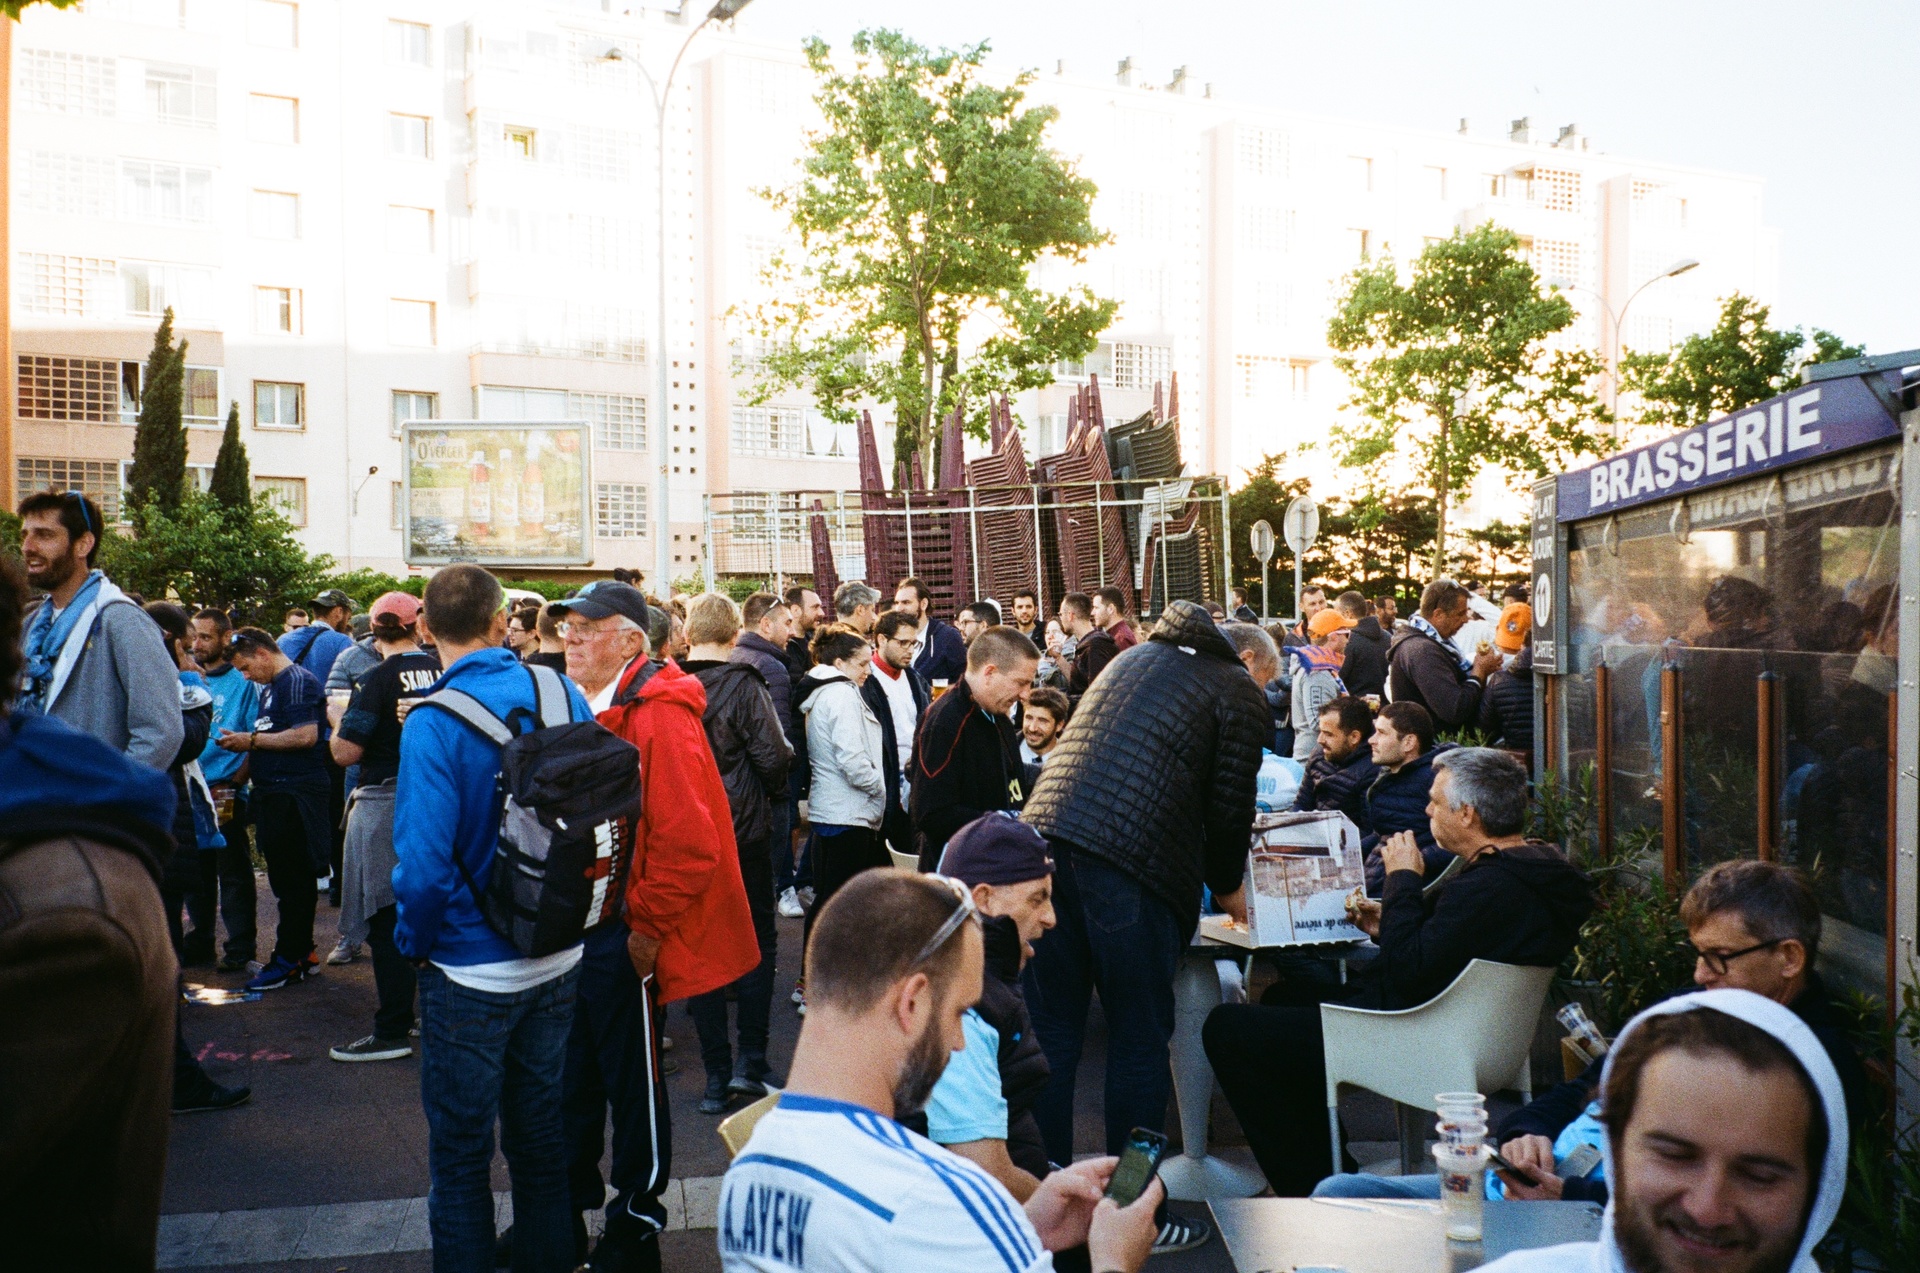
pixel 1138 1163
pixel 1500 1164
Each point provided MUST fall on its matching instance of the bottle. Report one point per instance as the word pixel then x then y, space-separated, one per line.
pixel 1585 1034
pixel 506 500
pixel 533 501
pixel 479 497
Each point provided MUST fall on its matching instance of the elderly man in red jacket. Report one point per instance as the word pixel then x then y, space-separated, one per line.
pixel 688 929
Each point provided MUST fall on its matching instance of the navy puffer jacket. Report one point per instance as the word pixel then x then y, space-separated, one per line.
pixel 1398 802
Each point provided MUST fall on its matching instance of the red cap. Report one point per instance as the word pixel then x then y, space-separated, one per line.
pixel 403 606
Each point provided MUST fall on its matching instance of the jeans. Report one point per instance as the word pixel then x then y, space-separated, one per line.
pixel 754 991
pixel 1271 1063
pixel 1112 936
pixel 837 858
pixel 1360 1185
pixel 283 823
pixel 394 979
pixel 780 846
pixel 613 1059
pixel 487 1057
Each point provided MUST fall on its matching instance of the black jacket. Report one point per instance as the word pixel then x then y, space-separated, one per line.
pixel 1424 671
pixel 1397 801
pixel 1091 653
pixel 965 763
pixel 1342 787
pixel 1522 905
pixel 1023 1066
pixel 1156 773
pixel 875 692
pixel 799 659
pixel 1506 709
pixel 771 662
pixel 748 744
pixel 1365 668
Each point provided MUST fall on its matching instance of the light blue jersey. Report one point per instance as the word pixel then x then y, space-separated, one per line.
pixel 236 704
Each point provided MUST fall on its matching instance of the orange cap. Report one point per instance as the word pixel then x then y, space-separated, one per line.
pixel 1328 620
pixel 1515 626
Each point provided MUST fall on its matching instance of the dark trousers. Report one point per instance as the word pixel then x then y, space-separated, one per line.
pixel 179 890
pixel 1115 937
pixel 1273 1070
pixel 792 868
pixel 394 979
pixel 754 991
pixel 283 820
pixel 613 1059
pixel 838 858
pixel 336 826
pixel 485 1059
pixel 228 874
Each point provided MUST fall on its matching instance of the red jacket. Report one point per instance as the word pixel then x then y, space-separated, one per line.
pixel 683 884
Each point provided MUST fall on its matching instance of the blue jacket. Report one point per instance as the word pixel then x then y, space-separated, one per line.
pixel 1398 802
pixel 447 802
pixel 236 705
pixel 63 782
pixel 944 656
pixel 315 647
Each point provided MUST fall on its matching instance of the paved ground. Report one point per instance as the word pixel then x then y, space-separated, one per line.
pixel 329 1160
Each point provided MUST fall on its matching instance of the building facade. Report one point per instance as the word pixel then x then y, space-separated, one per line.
pixel 368 211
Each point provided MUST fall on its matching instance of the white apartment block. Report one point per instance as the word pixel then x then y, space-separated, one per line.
pixel 364 211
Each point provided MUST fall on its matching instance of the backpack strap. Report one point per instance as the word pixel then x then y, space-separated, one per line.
pixel 466 707
pixel 549 696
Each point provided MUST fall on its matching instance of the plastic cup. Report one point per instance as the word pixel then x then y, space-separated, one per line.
pixel 1463 1189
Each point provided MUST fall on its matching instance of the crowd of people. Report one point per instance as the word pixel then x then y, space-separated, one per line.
pixel 545 823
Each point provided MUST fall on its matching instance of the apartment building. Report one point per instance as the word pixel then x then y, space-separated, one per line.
pixel 369 211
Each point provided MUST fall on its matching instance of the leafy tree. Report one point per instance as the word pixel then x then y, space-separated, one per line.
pixel 14 8
pixel 923 205
pixel 203 554
pixel 1456 366
pixel 158 476
pixel 1740 362
pixel 232 484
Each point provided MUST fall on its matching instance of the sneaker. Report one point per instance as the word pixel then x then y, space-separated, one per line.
pixel 1181 1233
pixel 718 1096
pixel 790 904
pixel 238 963
pixel 805 894
pixel 752 1087
pixel 503 1245
pixel 799 995
pixel 210 1098
pixel 280 972
pixel 627 1246
pixel 666 1043
pixel 344 952
pixel 372 1048
pixel 312 963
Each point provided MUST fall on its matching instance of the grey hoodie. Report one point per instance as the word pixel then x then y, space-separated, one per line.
pixel 121 686
pixel 1604 1256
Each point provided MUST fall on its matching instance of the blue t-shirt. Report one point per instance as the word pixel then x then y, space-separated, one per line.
pixel 292 699
pixel 967 1103
pixel 236 705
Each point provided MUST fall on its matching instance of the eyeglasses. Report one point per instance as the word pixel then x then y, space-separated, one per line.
pixel 1718 961
pixel 965 911
pixel 584 632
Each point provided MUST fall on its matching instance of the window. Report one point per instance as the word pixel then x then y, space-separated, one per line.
pixel 601 154
pixel 1140 366
pixel 505 402
pixel 65 185
pixel 166 193
pixel 275 214
pixel 410 230
pixel 559 329
pixel 1359 243
pixel 409 43
pixel 410 136
pixel 181 94
pixel 1558 189
pixel 620 510
pixel 1436 182
pixel 95 390
pixel 66 83
pixel 1360 173
pixel 619 420
pixel 767 430
pixel 409 404
pixel 1263 152
pixel 276 309
pixel 410 322
pixel 150 288
pixel 519 141
pixel 64 286
pixel 279 405
pixel 1264 378
pixel 273 119
pixel 1299 380
pixel 200 396
pixel 98 479
pixel 273 24
pixel 289 495
pixel 1263 229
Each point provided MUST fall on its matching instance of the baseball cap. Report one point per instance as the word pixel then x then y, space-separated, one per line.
pixel 996 849
pixel 1327 621
pixel 404 607
pixel 333 597
pixel 602 599
pixel 1515 626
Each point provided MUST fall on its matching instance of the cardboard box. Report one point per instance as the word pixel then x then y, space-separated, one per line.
pixel 1300 869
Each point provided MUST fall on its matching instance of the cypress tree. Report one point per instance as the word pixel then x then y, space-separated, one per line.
pixel 159 474
pixel 232 486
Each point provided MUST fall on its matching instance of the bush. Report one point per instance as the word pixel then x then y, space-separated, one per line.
pixel 1881 1215
pixel 207 555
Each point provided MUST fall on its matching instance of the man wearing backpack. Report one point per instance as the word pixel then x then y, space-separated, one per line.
pixel 493 1021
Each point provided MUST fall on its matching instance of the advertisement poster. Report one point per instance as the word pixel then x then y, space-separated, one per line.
pixel 511 494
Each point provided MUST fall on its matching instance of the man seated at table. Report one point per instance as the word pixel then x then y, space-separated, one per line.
pixel 1515 901
pixel 1402 746
pixel 1727 1139
pixel 1756 927
pixel 1342 769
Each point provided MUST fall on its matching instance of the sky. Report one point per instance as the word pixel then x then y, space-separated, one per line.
pixel 1813 98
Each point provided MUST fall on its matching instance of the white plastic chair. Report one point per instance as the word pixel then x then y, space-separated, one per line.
pixel 1474 1036
pixel 904 861
pixel 736 1129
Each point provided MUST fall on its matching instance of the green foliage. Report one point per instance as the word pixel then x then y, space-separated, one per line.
pixel 1562 811
pixel 365 585
pixel 232 485
pixel 1454 366
pixel 739 588
pixel 924 202
pixel 14 8
pixel 548 588
pixel 203 554
pixel 1740 362
pixel 9 532
pixel 157 478
pixel 1881 1214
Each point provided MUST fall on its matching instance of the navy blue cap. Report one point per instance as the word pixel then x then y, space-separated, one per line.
pixel 996 849
pixel 603 598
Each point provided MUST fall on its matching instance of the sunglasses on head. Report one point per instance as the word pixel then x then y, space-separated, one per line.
pixel 965 911
pixel 86 517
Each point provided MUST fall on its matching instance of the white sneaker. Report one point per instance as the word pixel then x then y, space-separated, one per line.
pixel 790 905
pixel 806 896
pixel 344 952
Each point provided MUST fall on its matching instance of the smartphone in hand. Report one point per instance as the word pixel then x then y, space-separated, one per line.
pixel 1501 1164
pixel 1138 1164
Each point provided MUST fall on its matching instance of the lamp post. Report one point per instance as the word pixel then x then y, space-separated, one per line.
pixel 1619 319
pixel 724 11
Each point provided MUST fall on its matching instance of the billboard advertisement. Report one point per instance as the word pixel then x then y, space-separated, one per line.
pixel 499 494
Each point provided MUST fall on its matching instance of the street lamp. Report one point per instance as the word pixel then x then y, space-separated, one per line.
pixel 1613 361
pixel 724 11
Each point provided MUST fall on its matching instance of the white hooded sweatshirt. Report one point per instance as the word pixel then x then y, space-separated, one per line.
pixel 1604 1256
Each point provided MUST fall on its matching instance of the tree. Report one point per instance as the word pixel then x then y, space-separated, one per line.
pixel 158 476
pixel 203 554
pixel 924 204
pixel 1455 365
pixel 1740 362
pixel 232 484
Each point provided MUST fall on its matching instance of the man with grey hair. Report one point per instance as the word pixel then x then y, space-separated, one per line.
pixel 856 605
pixel 1256 650
pixel 1515 900
pixel 605 626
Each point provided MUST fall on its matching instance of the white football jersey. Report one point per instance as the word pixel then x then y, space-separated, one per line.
pixel 830 1187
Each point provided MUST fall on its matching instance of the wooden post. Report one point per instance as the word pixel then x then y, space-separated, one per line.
pixel 1603 758
pixel 1549 741
pixel 1768 732
pixel 1673 820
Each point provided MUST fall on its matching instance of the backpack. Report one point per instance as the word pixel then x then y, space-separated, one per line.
pixel 569 790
